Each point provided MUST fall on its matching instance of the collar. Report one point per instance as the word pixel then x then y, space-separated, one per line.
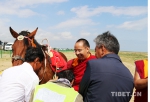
pixel 29 69
pixel 27 66
pixel 76 61
pixel 112 55
pixel 63 80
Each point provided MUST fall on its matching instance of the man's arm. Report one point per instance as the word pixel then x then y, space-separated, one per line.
pixel 32 94
pixel 79 98
pixel 84 84
pixel 138 82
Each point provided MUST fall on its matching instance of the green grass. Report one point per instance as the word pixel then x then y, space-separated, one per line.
pixel 125 56
pixel 131 57
pixel 5 52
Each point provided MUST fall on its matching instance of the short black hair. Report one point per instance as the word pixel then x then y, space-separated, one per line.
pixel 32 53
pixel 85 42
pixel 68 74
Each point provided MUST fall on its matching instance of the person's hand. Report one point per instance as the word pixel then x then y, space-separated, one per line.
pixel 54 79
pixel 140 83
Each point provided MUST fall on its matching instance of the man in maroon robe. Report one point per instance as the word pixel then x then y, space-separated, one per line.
pixel 78 65
pixel 141 81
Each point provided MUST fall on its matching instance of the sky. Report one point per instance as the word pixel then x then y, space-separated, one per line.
pixel 63 22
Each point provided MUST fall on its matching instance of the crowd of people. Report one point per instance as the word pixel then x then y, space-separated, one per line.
pixel 88 78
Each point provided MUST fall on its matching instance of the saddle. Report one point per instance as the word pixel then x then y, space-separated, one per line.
pixel 57 62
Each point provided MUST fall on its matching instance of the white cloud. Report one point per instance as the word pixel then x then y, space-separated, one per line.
pixel 74 22
pixel 26 13
pixel 66 35
pixel 85 11
pixel 134 25
pixel 31 2
pixel 23 3
pixel 55 38
pixel 41 34
pixel 60 13
pixel 22 7
pixel 84 33
pixel 4 32
pixel 3 21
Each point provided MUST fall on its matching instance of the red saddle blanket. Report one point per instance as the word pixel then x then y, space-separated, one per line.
pixel 57 61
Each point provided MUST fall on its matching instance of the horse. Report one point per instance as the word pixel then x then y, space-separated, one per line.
pixel 25 39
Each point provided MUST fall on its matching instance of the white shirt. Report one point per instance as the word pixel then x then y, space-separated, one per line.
pixel 17 83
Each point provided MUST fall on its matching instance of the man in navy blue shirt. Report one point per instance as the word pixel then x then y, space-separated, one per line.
pixel 106 79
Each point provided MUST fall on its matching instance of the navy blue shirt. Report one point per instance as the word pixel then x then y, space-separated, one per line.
pixel 106 80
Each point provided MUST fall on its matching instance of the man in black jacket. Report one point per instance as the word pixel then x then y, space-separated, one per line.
pixel 106 79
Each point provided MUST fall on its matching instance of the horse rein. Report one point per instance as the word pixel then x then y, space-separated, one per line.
pixel 47 52
pixel 45 66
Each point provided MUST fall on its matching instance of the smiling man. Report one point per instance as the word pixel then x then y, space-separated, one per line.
pixel 78 65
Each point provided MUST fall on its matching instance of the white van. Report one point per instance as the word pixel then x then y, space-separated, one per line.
pixel 8 46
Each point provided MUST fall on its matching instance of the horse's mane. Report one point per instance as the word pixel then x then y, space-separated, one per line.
pixel 26 42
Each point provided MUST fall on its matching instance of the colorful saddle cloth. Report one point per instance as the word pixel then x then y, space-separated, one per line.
pixel 57 61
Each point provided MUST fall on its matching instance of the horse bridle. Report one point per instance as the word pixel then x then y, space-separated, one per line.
pixel 18 57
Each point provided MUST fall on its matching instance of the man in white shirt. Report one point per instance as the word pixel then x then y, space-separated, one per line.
pixel 17 82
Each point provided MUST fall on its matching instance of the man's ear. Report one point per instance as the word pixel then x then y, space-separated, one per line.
pixel 37 59
pixel 103 50
pixel 88 49
pixel 72 82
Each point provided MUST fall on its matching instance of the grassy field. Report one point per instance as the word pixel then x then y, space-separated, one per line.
pixel 128 59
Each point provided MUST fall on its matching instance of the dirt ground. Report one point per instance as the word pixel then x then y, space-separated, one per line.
pixel 5 63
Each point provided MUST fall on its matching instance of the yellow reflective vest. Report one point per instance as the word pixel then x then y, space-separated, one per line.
pixel 52 92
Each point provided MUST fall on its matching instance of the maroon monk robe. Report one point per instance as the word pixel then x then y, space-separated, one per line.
pixel 78 68
pixel 141 95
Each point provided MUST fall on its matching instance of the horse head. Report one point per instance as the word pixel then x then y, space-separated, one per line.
pixel 25 39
